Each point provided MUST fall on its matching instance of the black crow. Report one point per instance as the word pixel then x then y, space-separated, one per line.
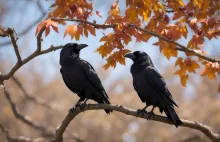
pixel 151 87
pixel 80 77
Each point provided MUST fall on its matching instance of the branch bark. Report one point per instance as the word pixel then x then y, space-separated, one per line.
pixel 179 46
pixel 38 52
pixel 186 123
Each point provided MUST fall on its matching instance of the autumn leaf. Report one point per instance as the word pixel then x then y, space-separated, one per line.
pixel 178 61
pixel 184 79
pixel 91 30
pixel 98 14
pixel 47 23
pixel 110 63
pixel 71 30
pixel 104 50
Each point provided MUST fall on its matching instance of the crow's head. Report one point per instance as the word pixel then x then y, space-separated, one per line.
pixel 139 57
pixel 72 49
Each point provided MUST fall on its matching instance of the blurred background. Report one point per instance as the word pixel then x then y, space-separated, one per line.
pixel 41 78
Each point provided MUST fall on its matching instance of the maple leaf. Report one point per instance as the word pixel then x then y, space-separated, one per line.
pixel 104 50
pixel 110 63
pixel 126 38
pixel 71 30
pixel 178 61
pixel 47 23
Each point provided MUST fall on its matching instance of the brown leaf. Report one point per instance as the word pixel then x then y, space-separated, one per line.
pixel 91 30
pixel 98 14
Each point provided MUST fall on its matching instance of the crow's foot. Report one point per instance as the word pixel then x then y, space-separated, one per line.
pixel 140 112
pixel 72 110
pixel 150 114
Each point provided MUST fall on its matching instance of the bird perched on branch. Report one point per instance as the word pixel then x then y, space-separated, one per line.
pixel 151 87
pixel 80 77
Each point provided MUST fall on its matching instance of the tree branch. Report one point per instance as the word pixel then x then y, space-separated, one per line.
pixel 181 47
pixel 12 34
pixel 30 57
pixel 186 123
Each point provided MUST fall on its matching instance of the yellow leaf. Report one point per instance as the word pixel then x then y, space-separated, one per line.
pixel 181 2
pixel 211 74
pixel 195 65
pixel 184 80
pixel 161 7
pixel 178 61
pixel 145 16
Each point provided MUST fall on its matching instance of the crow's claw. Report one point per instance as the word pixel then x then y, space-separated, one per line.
pixel 140 112
pixel 150 114
pixel 72 110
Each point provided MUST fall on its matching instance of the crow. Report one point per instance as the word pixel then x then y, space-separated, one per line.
pixel 80 77
pixel 151 87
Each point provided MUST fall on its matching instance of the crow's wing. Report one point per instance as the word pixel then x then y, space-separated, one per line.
pixel 66 82
pixel 157 82
pixel 93 77
pixel 142 99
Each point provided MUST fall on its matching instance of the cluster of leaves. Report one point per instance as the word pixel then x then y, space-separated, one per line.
pixel 171 19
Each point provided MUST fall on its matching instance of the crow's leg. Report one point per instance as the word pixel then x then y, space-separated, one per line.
pixel 79 102
pixel 77 105
pixel 83 104
pixel 151 113
pixel 142 111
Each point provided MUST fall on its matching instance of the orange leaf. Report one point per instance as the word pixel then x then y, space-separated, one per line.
pixel 47 31
pixel 71 30
pixel 110 63
pixel 126 38
pixel 184 80
pixel 205 71
pixel 39 27
pixel 91 30
pixel 99 14
pixel 178 61
pixel 104 50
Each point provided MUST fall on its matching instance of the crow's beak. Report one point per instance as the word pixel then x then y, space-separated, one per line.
pixel 81 46
pixel 130 55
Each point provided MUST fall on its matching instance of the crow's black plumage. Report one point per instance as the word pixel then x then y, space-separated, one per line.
pixel 151 87
pixel 80 77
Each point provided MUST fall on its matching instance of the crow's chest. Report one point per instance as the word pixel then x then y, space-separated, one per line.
pixel 75 76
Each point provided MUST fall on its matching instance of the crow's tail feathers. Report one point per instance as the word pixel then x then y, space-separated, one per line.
pixel 106 101
pixel 171 114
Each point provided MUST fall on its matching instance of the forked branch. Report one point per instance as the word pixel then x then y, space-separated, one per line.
pixel 186 123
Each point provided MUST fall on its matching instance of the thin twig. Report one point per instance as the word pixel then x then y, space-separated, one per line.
pixel 181 47
pixel 186 123
pixel 13 40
